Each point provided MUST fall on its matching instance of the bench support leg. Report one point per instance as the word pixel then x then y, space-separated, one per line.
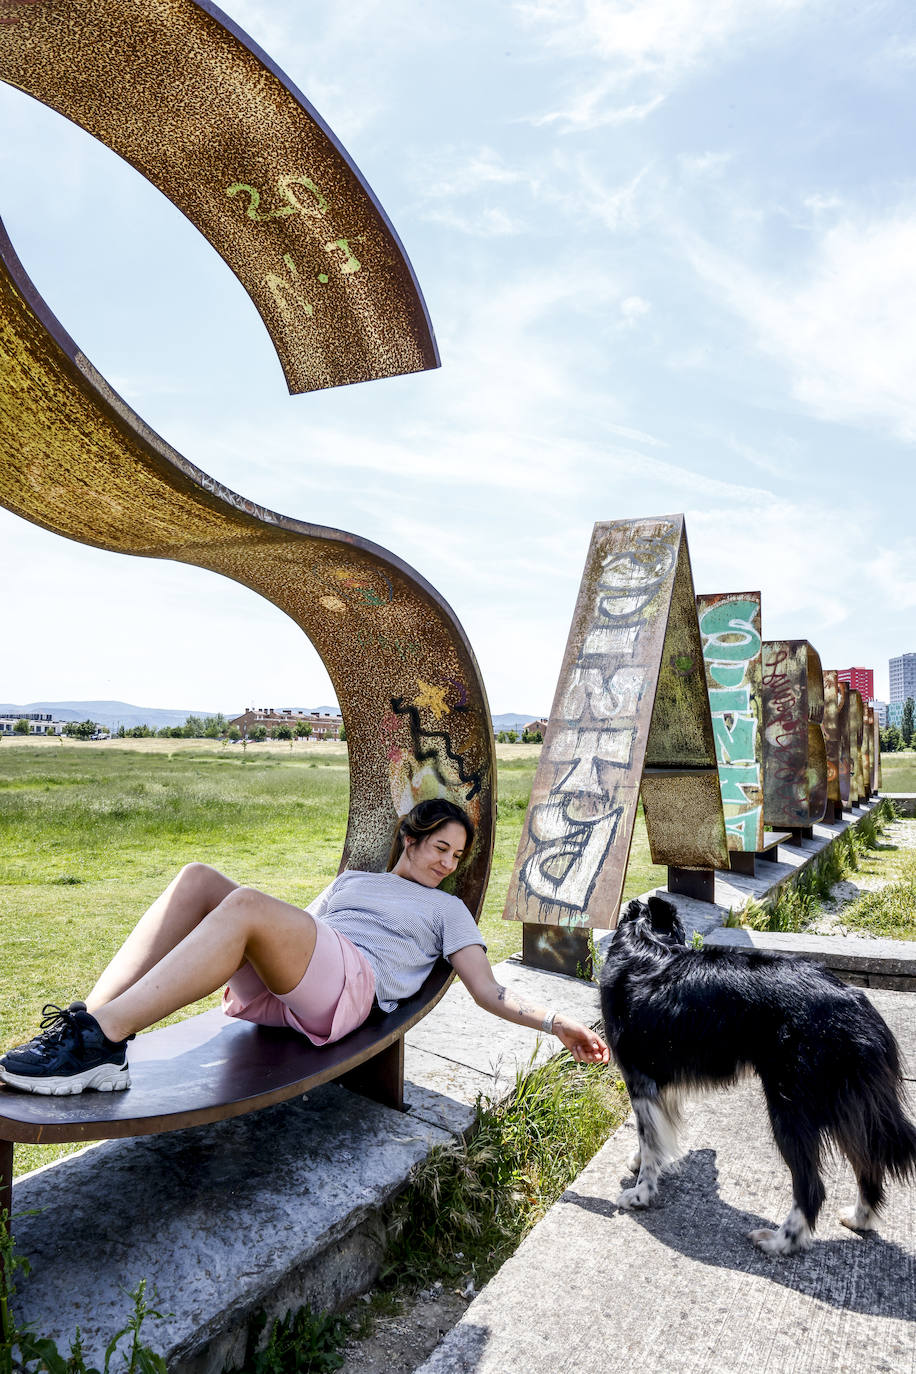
pixel 381 1078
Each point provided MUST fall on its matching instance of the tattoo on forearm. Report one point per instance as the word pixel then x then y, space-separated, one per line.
pixel 511 1003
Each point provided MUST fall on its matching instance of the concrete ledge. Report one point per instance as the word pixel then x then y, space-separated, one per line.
pixel 268 1211
pixel 905 802
pixel 867 963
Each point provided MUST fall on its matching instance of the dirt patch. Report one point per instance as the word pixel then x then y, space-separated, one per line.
pixel 399 1342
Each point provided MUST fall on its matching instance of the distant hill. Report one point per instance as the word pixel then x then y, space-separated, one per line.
pixel 513 720
pixel 115 713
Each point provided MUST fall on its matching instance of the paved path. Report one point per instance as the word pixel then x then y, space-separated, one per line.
pixel 680 1288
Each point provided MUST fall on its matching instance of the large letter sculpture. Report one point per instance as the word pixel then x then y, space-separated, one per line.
pixel 184 96
pixel 831 728
pixel 732 654
pixel 795 757
pixel 631 711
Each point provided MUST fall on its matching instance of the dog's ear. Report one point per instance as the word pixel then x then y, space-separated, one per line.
pixel 664 914
pixel 631 911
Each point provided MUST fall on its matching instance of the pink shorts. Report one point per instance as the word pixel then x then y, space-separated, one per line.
pixel 333 998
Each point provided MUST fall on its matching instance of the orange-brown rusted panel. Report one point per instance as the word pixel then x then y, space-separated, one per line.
pixel 842 719
pixel 181 93
pixel 632 664
pixel 75 459
pixel 856 727
pixel 794 755
pixel 830 725
pixel 730 626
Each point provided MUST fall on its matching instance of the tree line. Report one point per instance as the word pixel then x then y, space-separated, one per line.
pixel 894 738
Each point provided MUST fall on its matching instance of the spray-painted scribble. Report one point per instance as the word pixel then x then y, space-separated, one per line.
pixel 573 853
pixel 731 634
pixel 794 754
pixel 434 748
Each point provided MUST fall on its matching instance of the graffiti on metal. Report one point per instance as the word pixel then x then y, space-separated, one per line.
pixel 842 720
pixel 730 627
pixel 75 459
pixel 856 729
pixel 629 651
pixel 794 754
pixel 181 93
pixel 831 730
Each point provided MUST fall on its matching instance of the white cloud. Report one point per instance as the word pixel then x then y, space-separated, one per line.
pixel 844 329
pixel 654 43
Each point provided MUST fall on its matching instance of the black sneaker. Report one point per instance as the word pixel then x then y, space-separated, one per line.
pixel 69 1055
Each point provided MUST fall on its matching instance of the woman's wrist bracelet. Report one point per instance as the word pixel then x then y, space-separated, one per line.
pixel 547 1023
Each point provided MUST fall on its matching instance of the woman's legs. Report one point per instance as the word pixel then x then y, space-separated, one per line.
pixel 277 939
pixel 190 896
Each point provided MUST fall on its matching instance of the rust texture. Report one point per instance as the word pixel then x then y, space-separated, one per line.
pixel 842 717
pixel 876 780
pixel 630 702
pixel 856 728
pixel 831 730
pixel 79 462
pixel 192 103
pixel 794 754
pixel 730 626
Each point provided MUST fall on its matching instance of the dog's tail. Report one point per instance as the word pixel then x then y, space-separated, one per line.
pixel 873 1129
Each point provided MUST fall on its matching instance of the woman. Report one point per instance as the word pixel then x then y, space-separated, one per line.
pixel 369 938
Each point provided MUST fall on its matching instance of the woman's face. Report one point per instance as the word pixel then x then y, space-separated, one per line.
pixel 432 859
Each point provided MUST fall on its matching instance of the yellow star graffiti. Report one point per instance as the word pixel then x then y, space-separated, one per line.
pixel 431 697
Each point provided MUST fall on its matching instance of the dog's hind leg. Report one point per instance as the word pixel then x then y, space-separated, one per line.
pixel 656 1124
pixel 800 1148
pixel 864 1214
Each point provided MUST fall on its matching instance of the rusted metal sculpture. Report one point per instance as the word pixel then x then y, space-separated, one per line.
pixel 856 729
pixel 842 716
pixel 831 728
pixel 795 757
pixel 730 628
pixel 630 712
pixel 184 96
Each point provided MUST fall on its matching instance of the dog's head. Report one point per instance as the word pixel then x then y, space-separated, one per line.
pixel 654 922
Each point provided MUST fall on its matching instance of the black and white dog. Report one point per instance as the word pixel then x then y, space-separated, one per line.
pixel 679 1019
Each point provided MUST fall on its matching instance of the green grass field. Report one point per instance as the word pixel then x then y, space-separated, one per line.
pixel 89 835
pixel 898 772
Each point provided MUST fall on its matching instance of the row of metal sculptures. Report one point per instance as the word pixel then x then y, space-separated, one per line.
pixel 180 92
pixel 733 742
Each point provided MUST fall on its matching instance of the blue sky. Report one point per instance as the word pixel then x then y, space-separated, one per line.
pixel 669 252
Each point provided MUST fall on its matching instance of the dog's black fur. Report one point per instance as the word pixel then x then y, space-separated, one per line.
pixel 679 1019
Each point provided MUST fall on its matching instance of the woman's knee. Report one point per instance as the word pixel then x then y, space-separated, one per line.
pixel 206 883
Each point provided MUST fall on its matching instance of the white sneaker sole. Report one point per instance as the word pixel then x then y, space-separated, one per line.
pixel 105 1078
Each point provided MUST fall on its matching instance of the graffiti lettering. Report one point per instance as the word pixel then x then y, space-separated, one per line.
pixel 590 795
pixel 729 626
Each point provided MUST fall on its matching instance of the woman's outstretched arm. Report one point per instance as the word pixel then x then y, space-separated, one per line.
pixel 473 968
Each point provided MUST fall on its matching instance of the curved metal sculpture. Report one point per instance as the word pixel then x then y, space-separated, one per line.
pixel 191 102
pixel 188 99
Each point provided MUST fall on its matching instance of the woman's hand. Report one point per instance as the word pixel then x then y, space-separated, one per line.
pixel 585 1046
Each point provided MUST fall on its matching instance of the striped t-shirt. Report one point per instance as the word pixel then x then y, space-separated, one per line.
pixel 400 926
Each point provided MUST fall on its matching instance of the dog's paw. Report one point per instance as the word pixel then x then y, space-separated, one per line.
pixel 858 1218
pixel 777 1242
pixel 640 1196
pixel 634 1162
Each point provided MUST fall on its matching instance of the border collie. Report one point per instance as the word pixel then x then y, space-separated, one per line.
pixel 679 1019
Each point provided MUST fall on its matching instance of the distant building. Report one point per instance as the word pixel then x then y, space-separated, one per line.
pixel 324 725
pixel 536 727
pixel 40 723
pixel 903 677
pixel 861 680
pixel 880 710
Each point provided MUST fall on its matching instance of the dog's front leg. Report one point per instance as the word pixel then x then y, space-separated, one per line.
pixel 655 1145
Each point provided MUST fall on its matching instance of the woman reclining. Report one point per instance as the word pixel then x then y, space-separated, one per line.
pixel 369 939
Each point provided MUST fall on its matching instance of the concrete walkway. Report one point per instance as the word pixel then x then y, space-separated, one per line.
pixel 281 1208
pixel 679 1287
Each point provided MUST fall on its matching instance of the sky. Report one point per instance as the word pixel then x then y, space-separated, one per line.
pixel 669 252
